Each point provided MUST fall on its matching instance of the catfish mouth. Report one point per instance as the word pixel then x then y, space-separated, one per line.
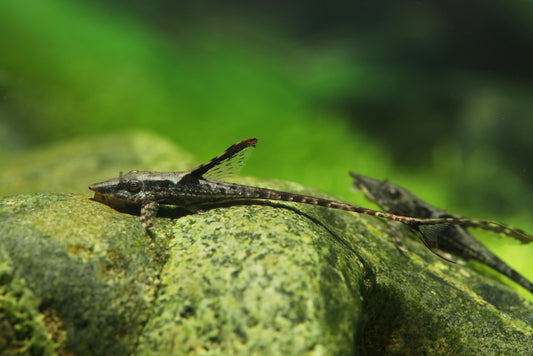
pixel 102 194
pixel 116 203
pixel 102 198
pixel 99 196
pixel 103 188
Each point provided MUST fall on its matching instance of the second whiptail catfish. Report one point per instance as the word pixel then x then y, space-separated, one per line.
pixel 445 237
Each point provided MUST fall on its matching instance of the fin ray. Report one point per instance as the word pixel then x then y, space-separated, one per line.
pixel 227 163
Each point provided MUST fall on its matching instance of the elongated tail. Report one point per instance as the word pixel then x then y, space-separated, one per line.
pixel 483 224
pixel 504 269
pixel 271 194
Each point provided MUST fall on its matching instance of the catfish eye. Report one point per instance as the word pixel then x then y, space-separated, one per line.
pixel 394 192
pixel 133 185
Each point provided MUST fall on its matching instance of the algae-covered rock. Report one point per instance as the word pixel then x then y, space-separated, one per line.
pixel 255 280
pixel 77 277
pixel 94 287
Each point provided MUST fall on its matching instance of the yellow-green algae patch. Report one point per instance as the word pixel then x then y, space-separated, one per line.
pixel 255 280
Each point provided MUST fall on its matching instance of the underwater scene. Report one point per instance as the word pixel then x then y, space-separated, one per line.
pixel 429 102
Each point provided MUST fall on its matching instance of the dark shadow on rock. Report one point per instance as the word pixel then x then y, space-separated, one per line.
pixel 389 326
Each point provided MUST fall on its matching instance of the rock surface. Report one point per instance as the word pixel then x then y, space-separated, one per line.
pixel 77 277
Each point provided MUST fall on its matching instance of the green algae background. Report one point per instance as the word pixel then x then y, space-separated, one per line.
pixel 207 77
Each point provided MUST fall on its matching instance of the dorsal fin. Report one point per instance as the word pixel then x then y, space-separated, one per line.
pixel 227 163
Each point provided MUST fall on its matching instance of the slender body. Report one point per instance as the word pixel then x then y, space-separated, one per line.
pixel 445 237
pixel 203 186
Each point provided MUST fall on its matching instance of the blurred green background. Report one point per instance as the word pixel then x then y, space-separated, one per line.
pixel 436 96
